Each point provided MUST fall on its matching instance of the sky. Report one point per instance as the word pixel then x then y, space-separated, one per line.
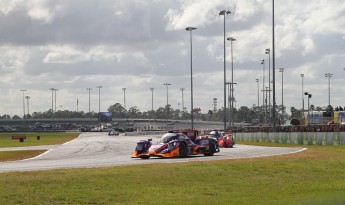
pixel 141 44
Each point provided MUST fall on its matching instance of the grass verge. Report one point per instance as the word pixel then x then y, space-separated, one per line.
pixel 31 140
pixel 46 138
pixel 315 176
pixel 19 155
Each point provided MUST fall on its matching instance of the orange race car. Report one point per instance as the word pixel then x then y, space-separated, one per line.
pixel 175 144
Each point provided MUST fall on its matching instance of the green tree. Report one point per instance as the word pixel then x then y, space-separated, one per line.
pixel 244 114
pixel 168 111
pixel 185 115
pixel 318 108
pixel 161 113
pixel 118 110
pixel 148 114
pixel 6 116
pixel 134 112
pixel 91 114
pixel 16 117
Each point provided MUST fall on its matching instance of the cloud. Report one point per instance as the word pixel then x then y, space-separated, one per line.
pixel 73 45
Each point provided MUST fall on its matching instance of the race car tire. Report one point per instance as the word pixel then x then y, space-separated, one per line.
pixel 212 149
pixel 182 149
pixel 145 157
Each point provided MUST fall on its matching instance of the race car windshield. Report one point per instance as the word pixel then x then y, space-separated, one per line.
pixel 168 137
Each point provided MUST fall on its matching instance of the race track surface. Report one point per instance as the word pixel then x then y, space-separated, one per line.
pixel 101 150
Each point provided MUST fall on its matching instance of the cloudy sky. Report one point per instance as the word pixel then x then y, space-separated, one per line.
pixel 72 45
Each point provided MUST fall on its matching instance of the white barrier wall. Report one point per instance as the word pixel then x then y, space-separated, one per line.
pixel 302 138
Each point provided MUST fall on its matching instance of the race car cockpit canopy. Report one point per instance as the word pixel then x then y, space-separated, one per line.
pixel 168 137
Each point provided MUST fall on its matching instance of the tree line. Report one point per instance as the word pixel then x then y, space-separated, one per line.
pixel 241 114
pixel 118 111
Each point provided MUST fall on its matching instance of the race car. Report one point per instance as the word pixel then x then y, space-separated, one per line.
pixel 113 132
pixel 224 140
pixel 175 144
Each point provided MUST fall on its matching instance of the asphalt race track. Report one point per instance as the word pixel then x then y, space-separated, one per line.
pixel 101 150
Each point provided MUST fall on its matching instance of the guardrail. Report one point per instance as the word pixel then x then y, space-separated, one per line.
pixel 301 138
pixel 144 133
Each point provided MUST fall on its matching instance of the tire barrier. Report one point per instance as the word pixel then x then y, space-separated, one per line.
pixel 301 138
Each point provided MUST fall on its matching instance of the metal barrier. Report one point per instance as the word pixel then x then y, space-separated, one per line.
pixel 144 133
pixel 301 138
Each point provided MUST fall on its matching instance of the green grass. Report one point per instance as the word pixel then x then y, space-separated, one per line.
pixel 19 155
pixel 31 139
pixel 315 176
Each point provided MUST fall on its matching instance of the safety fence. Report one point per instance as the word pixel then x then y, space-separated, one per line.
pixel 302 138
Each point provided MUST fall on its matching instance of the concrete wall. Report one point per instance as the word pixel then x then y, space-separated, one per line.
pixel 302 138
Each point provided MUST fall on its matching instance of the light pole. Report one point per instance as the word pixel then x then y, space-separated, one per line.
pixel 99 98
pixel 167 85
pixel 266 90
pixel 231 39
pixel 52 89
pixel 329 75
pixel 214 104
pixel 89 89
pixel 268 51
pixel 282 71
pixel 309 96
pixel 27 103
pixel 224 12
pixel 124 97
pixel 302 76
pixel 152 97
pixel 190 29
pixel 182 89
pixel 229 101
pixel 55 97
pixel 257 80
pixel 263 82
pixel 23 103
pixel 273 70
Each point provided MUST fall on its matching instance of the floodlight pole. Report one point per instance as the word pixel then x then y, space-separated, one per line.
pixel 224 12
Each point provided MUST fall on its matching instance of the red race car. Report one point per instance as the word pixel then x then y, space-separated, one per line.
pixel 175 144
pixel 225 140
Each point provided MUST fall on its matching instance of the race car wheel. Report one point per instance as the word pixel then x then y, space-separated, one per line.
pixel 183 149
pixel 212 149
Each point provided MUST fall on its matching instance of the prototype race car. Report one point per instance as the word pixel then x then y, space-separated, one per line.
pixel 227 140
pixel 175 144
pixel 224 140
